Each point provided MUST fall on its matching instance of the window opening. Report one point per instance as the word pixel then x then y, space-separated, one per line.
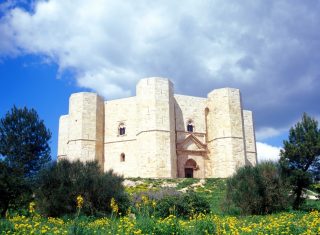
pixel 122 157
pixel 122 129
pixel 190 126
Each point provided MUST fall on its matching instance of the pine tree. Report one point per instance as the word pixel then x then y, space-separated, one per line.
pixel 24 140
pixel 24 150
pixel 300 157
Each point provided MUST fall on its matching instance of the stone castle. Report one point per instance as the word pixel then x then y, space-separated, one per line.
pixel 157 134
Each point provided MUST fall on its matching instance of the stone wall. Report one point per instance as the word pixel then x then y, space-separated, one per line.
pixel 156 133
pixel 117 112
pixel 63 136
pixel 190 109
pixel 225 132
pixel 85 127
pixel 250 139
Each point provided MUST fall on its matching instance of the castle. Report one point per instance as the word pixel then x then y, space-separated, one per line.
pixel 157 134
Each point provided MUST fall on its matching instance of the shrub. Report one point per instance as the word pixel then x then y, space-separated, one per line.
pixel 169 201
pixel 184 205
pixel 256 190
pixel 61 183
pixel 144 203
pixel 15 190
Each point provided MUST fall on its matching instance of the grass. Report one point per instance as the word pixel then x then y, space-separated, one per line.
pixel 280 223
pixel 213 189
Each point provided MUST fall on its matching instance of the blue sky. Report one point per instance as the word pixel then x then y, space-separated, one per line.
pixel 268 49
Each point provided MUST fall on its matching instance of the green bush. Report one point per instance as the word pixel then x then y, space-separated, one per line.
pixel 60 184
pixel 256 190
pixel 169 201
pixel 184 205
pixel 143 203
pixel 15 190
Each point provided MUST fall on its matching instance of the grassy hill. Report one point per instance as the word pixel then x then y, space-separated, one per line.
pixel 290 222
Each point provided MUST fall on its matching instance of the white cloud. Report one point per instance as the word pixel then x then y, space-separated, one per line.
pixel 268 132
pixel 258 47
pixel 267 152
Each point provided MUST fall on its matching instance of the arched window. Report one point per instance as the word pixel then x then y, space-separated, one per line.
pixel 190 126
pixel 122 129
pixel 122 157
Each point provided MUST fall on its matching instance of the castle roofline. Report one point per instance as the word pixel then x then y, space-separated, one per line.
pixel 222 89
pixel 84 92
pixel 190 96
pixel 154 79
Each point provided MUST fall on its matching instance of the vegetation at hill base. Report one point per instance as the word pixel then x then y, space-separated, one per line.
pixel 257 190
pixel 58 186
pixel 282 223
pixel 300 157
pixel 24 150
pixel 138 219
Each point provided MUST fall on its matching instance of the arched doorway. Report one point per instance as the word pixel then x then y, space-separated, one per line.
pixel 189 167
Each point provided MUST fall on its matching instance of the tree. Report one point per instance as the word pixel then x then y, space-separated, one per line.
pixel 24 140
pixel 24 149
pixel 12 187
pixel 300 157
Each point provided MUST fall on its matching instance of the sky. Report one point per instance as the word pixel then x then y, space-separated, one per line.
pixel 270 50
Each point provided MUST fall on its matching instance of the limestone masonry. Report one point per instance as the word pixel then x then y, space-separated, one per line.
pixel 159 134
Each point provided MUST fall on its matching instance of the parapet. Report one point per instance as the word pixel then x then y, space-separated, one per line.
pixel 154 86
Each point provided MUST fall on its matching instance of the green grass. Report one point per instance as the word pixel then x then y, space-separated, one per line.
pixel 297 222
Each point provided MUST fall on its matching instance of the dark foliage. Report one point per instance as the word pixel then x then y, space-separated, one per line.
pixel 14 189
pixel 61 183
pixel 300 157
pixel 24 150
pixel 24 140
pixel 183 205
pixel 256 190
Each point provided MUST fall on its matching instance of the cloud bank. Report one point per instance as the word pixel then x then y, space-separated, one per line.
pixel 266 152
pixel 268 49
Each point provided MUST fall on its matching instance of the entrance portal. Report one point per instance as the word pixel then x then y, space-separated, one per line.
pixel 189 167
pixel 188 172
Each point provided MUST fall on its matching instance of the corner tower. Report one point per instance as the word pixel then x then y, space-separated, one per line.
pixel 156 128
pixel 81 131
pixel 225 132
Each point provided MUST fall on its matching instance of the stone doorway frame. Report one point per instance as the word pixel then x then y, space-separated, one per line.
pixel 189 168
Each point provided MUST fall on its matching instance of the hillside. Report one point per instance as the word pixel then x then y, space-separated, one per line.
pixel 212 189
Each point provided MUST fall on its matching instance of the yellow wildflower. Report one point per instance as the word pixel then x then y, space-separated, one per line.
pixel 79 201
pixel 32 207
pixel 154 203
pixel 114 206
pixel 145 199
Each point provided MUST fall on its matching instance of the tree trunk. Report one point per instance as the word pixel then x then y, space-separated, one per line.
pixel 297 200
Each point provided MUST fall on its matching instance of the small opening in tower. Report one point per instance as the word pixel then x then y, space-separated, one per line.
pixel 190 126
pixel 122 129
pixel 122 157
